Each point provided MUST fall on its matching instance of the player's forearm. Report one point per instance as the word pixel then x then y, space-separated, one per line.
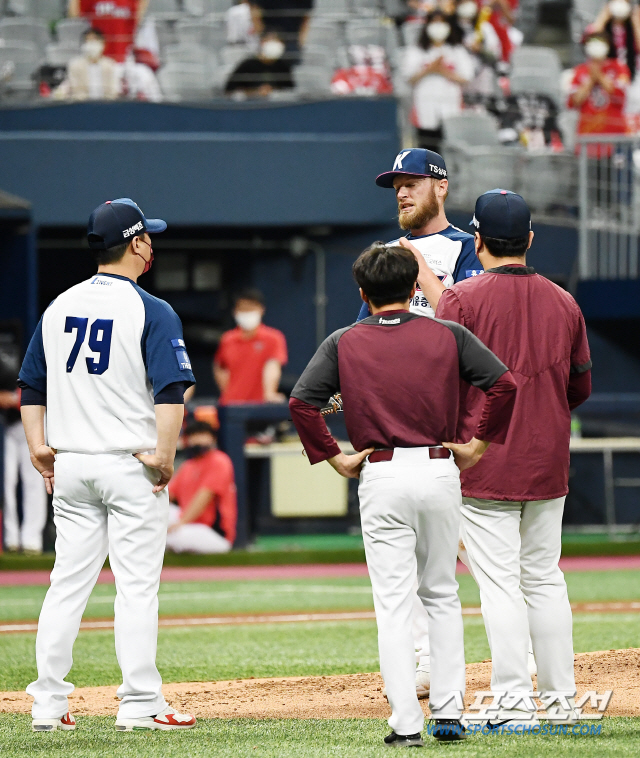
pixel 432 288
pixel 221 375
pixel 197 506
pixel 498 409
pixel 271 374
pixel 316 438
pixel 33 422
pixel 169 418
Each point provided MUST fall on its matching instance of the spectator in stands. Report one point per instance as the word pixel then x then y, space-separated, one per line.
pixel 263 73
pixel 437 69
pixel 368 75
pixel 204 520
pixel 621 25
pixel 116 19
pixel 481 40
pixel 90 76
pixel 18 467
pixel 502 18
pixel 241 27
pixel 288 18
pixel 248 364
pixel 598 88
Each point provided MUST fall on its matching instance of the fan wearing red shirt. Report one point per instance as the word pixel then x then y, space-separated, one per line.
pixel 598 89
pixel 248 363
pixel 116 19
pixel 204 520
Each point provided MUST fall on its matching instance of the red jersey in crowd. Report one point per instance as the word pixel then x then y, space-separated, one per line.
pixel 537 329
pixel 212 471
pixel 245 358
pixel 601 112
pixel 361 80
pixel 116 19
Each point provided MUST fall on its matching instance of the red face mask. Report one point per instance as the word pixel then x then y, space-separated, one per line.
pixel 147 263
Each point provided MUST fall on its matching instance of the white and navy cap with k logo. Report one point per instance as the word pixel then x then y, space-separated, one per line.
pixel 118 221
pixel 417 162
pixel 501 214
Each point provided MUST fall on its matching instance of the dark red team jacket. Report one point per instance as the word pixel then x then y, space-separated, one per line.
pixel 400 375
pixel 537 329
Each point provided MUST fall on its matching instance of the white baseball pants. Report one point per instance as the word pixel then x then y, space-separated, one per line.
pixel 410 512
pixel 194 538
pixel 514 549
pixel 17 463
pixel 103 504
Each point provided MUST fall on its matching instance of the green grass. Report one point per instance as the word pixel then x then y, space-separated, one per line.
pixel 265 650
pixel 347 738
pixel 350 593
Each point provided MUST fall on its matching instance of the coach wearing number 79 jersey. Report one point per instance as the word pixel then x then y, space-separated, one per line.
pixel 108 364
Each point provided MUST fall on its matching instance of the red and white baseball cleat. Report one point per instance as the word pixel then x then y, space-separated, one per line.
pixel 67 723
pixel 165 720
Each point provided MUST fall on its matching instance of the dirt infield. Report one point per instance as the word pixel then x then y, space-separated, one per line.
pixel 339 697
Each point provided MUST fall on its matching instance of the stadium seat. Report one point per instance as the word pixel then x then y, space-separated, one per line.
pixel 325 31
pixel 312 80
pixel 69 31
pixel 207 32
pixel 549 180
pixel 544 59
pixel 319 55
pixel 25 29
pixel 526 80
pixel 192 54
pixel 411 31
pixel 232 55
pixel 164 9
pixel 19 61
pixel 334 8
pixel 59 53
pixel 371 31
pixel 471 129
pixel 474 170
pixel 186 81
pixel 47 10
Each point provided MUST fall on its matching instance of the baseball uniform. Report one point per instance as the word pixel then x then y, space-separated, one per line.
pixel 513 499
pixel 400 375
pixel 102 354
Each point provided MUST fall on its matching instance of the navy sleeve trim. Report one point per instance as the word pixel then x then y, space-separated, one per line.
pixel 467 261
pixel 582 368
pixel 34 366
pixel 31 396
pixel 172 394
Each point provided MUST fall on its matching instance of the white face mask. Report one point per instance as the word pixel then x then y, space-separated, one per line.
pixel 596 49
pixel 620 9
pixel 467 10
pixel 248 320
pixel 438 31
pixel 93 49
pixel 272 49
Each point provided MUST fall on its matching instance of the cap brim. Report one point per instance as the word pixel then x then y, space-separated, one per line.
pixel 386 179
pixel 155 225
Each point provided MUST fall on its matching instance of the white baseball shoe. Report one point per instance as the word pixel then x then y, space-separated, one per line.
pixel 66 723
pixel 165 720
pixel 564 717
pixel 531 664
pixel 423 680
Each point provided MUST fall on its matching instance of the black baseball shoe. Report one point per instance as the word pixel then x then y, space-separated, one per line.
pixel 404 740
pixel 449 730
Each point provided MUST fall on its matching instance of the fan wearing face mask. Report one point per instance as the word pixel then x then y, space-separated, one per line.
pixel 91 76
pixel 481 40
pixel 263 73
pixel 598 88
pixel 204 517
pixel 437 68
pixel 620 22
pixel 248 364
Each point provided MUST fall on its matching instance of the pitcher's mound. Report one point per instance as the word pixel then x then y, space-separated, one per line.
pixel 339 697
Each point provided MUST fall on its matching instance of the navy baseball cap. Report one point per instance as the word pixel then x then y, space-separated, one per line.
pixel 501 214
pixel 117 221
pixel 417 162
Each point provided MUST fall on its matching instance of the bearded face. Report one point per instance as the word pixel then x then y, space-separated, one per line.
pixel 417 202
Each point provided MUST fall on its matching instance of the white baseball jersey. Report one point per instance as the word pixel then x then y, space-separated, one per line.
pixel 101 352
pixel 450 254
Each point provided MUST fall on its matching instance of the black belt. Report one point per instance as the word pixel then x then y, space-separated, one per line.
pixel 387 454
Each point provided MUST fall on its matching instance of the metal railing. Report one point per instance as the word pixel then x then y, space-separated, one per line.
pixel 609 203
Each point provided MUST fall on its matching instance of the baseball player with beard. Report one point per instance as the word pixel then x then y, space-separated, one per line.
pixel 446 256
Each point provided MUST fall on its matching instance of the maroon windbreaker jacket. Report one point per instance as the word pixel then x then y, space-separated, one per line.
pixel 537 329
